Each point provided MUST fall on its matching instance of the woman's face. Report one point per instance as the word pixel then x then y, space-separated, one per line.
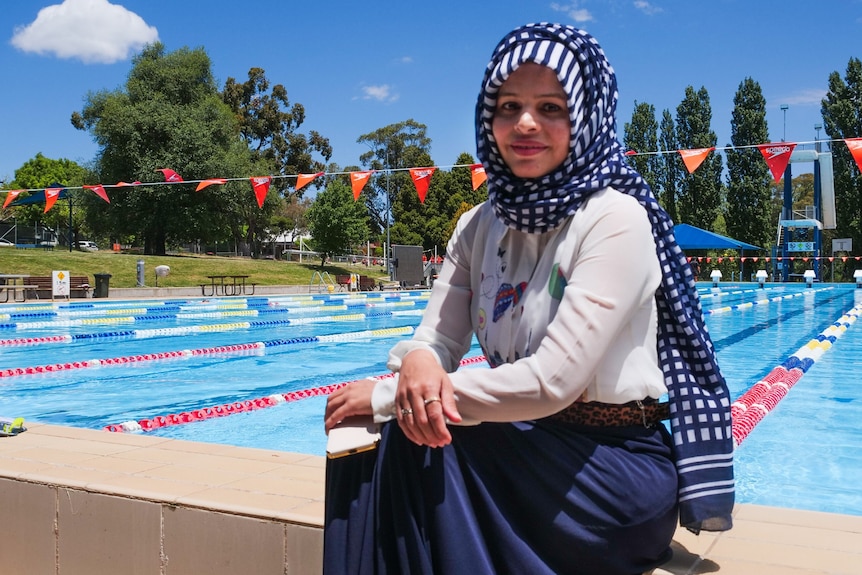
pixel 531 122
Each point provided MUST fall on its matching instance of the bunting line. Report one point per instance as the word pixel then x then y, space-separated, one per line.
pixel 776 155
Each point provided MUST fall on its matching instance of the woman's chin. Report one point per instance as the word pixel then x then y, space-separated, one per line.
pixel 530 170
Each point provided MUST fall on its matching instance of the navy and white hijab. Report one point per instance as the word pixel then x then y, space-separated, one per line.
pixel 699 399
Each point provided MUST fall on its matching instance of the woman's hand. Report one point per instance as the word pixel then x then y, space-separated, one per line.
pixel 352 399
pixel 425 399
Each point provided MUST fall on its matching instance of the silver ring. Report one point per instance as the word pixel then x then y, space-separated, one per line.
pixel 406 412
pixel 432 400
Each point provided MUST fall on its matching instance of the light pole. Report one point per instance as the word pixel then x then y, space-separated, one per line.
pixel 817 128
pixel 388 250
pixel 784 134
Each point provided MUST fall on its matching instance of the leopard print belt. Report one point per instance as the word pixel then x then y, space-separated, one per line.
pixel 645 412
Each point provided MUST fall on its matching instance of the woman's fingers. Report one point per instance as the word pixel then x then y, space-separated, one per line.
pixel 424 422
pixel 352 399
pixel 425 400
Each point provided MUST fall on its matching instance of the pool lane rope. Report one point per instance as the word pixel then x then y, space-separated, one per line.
pixel 151 424
pixel 751 304
pixel 192 329
pixel 147 315
pixel 747 411
pixel 255 347
pixel 762 397
pixel 282 304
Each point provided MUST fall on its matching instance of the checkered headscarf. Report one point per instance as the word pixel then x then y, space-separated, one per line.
pixel 700 403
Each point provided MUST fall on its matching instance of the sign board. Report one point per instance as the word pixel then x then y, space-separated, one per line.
pixel 60 283
pixel 842 245
pixel 800 246
pixel 407 262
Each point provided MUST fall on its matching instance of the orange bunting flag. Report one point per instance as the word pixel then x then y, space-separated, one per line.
pixel 135 183
pixel 170 175
pixel 357 181
pixel 11 195
pixel 51 196
pixel 303 179
pixel 477 171
pixel 855 147
pixel 631 153
pixel 777 157
pixel 261 187
pixel 99 189
pixel 694 158
pixel 210 182
pixel 421 179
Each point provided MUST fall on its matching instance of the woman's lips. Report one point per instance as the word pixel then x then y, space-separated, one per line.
pixel 528 148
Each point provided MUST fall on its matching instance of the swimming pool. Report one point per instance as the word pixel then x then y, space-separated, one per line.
pixel 126 361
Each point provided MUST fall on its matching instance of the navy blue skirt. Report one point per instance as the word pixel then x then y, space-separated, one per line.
pixel 526 497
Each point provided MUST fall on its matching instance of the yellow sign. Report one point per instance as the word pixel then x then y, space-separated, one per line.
pixel 60 285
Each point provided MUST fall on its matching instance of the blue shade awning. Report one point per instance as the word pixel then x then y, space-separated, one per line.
pixel 39 197
pixel 693 238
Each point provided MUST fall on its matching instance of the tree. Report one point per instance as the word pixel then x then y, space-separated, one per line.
pixel 669 167
pixel 269 125
pixel 448 194
pixel 41 172
pixel 700 194
pixel 290 220
pixel 640 135
pixel 336 221
pixel 387 196
pixel 169 115
pixel 749 215
pixel 842 118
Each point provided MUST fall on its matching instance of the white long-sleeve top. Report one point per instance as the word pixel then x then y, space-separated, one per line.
pixel 562 316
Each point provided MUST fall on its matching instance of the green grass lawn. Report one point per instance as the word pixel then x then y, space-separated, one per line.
pixel 186 270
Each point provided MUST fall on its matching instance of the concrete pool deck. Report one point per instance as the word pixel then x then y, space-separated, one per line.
pixel 78 501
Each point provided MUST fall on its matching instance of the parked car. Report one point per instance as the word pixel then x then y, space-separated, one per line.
pixel 87 246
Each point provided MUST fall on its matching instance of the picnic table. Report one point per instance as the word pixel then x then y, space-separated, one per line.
pixel 14 283
pixel 227 285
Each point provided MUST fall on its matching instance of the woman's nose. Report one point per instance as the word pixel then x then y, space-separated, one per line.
pixel 526 122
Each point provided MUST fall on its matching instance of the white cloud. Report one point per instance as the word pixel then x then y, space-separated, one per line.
pixel 573 11
pixel 382 93
pixel 647 8
pixel 803 97
pixel 93 31
pixel 405 60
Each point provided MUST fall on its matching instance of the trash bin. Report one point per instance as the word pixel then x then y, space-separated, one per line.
pixel 103 283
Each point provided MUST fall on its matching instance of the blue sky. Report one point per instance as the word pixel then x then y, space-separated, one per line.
pixel 358 66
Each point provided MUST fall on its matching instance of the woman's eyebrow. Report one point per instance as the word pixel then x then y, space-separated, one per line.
pixel 555 94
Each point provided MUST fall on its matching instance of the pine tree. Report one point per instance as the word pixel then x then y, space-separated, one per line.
pixel 842 118
pixel 700 192
pixel 749 210
pixel 669 167
pixel 641 136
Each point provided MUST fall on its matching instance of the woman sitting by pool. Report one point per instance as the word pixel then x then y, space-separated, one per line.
pixel 556 460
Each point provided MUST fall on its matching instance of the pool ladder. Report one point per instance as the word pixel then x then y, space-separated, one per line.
pixel 322 281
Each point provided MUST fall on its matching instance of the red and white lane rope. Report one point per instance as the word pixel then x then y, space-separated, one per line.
pixel 204 413
pixel 254 347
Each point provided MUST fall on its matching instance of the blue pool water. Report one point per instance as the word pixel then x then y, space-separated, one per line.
pixel 806 454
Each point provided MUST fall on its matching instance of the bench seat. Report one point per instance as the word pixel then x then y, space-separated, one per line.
pixel 42 287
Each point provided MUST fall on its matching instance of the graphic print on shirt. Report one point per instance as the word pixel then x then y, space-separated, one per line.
pixel 557 282
pixel 488 286
pixel 508 295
